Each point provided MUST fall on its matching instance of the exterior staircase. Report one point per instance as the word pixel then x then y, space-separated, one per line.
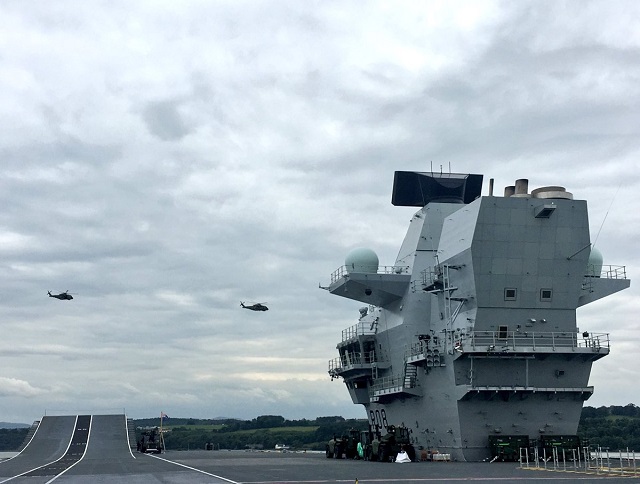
pixel 131 429
pixel 29 436
pixel 410 375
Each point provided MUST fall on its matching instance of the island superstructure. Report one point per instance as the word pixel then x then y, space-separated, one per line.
pixel 472 333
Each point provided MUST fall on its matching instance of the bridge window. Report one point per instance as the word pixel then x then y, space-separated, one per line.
pixel 545 294
pixel 510 294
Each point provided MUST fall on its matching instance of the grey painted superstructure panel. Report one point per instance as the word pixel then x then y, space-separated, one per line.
pixel 486 330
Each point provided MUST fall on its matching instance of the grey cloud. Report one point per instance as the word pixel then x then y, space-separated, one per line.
pixel 166 174
pixel 163 119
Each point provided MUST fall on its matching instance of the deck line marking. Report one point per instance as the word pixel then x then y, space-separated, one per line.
pixel 428 479
pixel 193 469
pixel 86 446
pixel 48 463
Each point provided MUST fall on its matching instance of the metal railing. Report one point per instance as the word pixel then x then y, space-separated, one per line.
pixel 514 340
pixel 582 460
pixel 351 359
pixel 405 382
pixel 359 329
pixel 344 271
pixel 430 275
pixel 387 382
pixel 607 272
pixel 424 348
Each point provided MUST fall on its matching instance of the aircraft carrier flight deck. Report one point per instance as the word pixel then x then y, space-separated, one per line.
pixel 97 449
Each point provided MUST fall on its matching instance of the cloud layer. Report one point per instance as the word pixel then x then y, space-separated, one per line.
pixel 165 161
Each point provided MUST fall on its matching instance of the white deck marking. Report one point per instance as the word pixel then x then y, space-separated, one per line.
pixel 194 469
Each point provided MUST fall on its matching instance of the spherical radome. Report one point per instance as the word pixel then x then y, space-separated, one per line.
pixel 361 259
pixel 594 266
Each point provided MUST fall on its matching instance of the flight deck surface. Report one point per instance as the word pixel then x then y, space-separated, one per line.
pixel 95 449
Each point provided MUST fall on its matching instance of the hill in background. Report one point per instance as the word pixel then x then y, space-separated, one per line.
pixel 9 425
pixel 614 427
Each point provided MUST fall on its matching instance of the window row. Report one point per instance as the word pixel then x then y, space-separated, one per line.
pixel 511 294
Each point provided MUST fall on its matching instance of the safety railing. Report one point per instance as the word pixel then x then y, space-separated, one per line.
pixel 430 275
pixel 344 271
pixel 424 348
pixel 351 359
pixel 359 329
pixel 514 340
pixel 623 463
pixel 607 272
pixel 386 383
pixel 406 383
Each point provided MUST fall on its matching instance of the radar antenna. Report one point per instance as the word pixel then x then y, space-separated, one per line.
pixel 605 215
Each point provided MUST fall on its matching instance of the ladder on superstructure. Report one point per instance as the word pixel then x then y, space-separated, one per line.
pixel 447 289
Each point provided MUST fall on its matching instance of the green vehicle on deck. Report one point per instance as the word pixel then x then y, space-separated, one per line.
pixel 385 448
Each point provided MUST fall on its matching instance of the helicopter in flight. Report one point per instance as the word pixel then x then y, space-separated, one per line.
pixel 62 296
pixel 255 307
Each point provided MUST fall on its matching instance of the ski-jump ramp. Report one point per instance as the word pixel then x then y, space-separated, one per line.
pixel 91 448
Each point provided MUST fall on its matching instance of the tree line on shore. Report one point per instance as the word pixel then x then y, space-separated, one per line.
pixel 263 432
pixel 614 427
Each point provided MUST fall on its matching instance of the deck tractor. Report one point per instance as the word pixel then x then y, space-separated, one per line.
pixel 344 447
pixel 373 446
pixel 385 448
pixel 151 441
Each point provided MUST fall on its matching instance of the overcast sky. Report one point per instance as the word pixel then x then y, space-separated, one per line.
pixel 164 161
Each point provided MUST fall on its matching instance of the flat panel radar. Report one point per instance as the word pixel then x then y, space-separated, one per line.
pixel 417 189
